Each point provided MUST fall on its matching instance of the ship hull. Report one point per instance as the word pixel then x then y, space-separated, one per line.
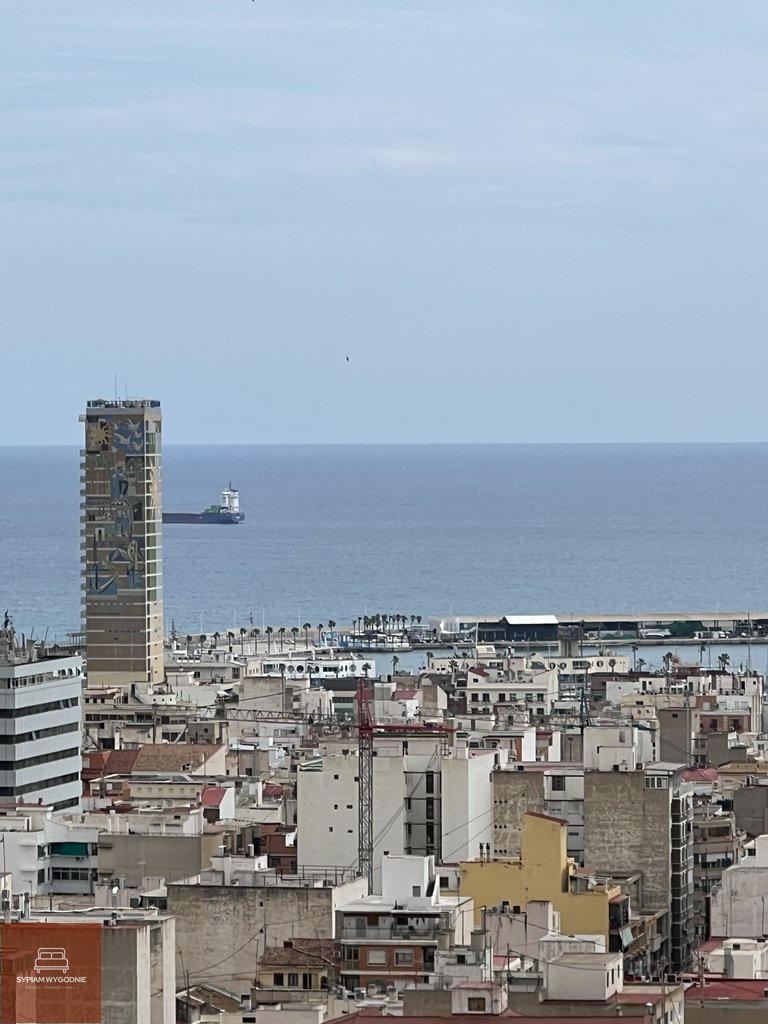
pixel 206 518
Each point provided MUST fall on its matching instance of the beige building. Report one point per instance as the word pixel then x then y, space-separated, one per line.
pixel 227 916
pixel 121 532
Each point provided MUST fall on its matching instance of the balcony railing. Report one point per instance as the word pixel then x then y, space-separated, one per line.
pixel 388 933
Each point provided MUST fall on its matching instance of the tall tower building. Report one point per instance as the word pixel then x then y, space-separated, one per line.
pixel 121 534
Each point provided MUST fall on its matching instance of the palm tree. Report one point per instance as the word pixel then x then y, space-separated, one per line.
pixel 640 665
pixel 203 641
pixel 242 638
pixel 231 638
pixel 306 627
pixel 366 669
pixel 294 634
pixel 395 663
pixel 418 620
pixel 188 638
pixel 216 637
pixel 320 629
pixel 269 631
pixel 612 664
pixel 635 648
pixel 281 634
pixel 723 660
pixel 255 634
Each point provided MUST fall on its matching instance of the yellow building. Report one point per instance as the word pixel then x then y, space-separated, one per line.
pixel 543 872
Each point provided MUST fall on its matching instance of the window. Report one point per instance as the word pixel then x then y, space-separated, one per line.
pixel 430 782
pixel 293 981
pixel 656 782
pixel 416 891
pixel 558 783
pixel 475 697
pixel 278 980
pixel 403 957
pixel 306 981
pixel 377 957
pixel 476 1004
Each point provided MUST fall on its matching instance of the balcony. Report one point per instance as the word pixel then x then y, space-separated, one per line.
pixel 388 933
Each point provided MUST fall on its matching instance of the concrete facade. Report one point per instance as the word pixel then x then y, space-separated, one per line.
pixel 425 803
pixel 738 906
pixel 223 929
pixel 642 821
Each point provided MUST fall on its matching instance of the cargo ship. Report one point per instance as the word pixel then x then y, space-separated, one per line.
pixel 228 512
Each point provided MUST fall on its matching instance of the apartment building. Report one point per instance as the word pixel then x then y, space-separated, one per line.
pixel 229 913
pixel 391 939
pixel 543 873
pixel 40 714
pixel 640 822
pixel 738 905
pixel 427 800
pixel 717 845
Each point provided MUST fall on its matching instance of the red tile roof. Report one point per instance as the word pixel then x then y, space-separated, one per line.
pixel 121 762
pixel 700 775
pixel 212 796
pixel 546 817
pixel 735 989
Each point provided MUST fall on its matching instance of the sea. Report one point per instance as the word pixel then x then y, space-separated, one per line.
pixel 336 532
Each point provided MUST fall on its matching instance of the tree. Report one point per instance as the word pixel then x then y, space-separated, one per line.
pixel 231 639
pixel 418 620
pixel 366 669
pixel 635 648
pixel 203 641
pixel 281 634
pixel 216 637
pixel 640 665
pixel 306 627
pixel 331 624
pixel 294 634
pixel 269 631
pixel 612 664
pixel 723 661
pixel 395 663
pixel 320 629
pixel 242 638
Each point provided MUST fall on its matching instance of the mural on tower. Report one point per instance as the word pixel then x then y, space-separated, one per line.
pixel 115 459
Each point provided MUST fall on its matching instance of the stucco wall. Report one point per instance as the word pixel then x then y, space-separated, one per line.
pixel 626 829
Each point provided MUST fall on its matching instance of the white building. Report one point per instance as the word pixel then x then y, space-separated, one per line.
pixel 48 852
pixel 424 802
pixel 738 906
pixel 40 716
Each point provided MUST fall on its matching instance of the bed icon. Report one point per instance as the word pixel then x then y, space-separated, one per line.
pixel 51 958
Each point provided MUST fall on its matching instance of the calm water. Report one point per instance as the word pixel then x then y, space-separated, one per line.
pixel 333 532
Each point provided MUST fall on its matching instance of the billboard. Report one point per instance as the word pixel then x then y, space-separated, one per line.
pixel 51 973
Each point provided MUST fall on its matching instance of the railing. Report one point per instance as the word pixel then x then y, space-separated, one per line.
pixel 387 933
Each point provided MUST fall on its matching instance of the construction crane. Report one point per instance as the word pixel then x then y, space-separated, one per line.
pixel 367 729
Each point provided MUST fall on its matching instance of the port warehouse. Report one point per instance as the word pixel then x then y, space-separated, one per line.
pixel 645 626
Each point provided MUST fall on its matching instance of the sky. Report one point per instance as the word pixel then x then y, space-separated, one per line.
pixel 386 221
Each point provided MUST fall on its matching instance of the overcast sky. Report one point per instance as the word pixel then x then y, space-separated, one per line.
pixel 520 221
